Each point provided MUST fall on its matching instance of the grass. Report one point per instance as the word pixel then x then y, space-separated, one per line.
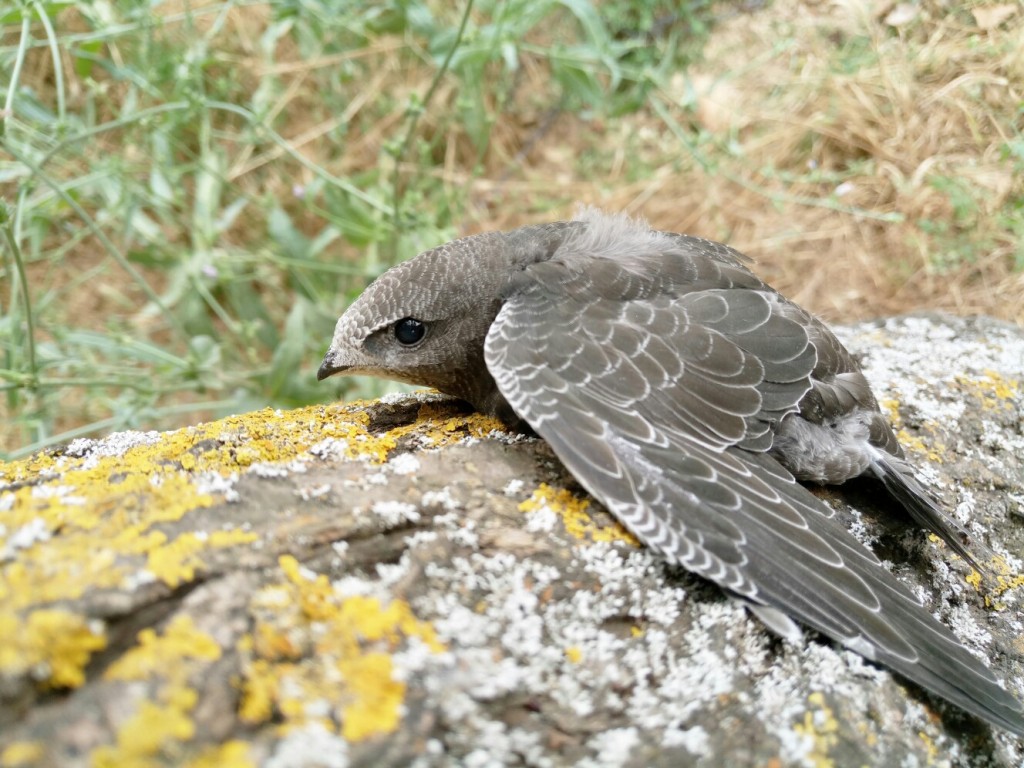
pixel 192 192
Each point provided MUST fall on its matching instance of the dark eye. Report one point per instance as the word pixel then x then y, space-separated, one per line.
pixel 409 331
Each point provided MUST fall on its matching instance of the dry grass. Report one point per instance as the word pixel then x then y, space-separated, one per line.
pixel 823 138
pixel 864 166
pixel 869 157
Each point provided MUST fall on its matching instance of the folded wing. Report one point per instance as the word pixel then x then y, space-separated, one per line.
pixel 659 395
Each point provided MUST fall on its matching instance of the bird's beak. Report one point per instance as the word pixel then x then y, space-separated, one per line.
pixel 335 361
pixel 345 357
pixel 329 368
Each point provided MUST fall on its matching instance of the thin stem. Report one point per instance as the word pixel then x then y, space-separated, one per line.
pixel 297 156
pixel 12 86
pixel 136 117
pixel 396 192
pixel 100 235
pixel 58 71
pixel 19 267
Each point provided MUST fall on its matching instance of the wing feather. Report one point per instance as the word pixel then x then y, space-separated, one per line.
pixel 657 400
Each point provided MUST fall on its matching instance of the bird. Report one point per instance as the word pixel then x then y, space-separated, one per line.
pixel 690 398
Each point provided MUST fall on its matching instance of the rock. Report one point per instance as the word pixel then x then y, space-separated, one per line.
pixel 404 583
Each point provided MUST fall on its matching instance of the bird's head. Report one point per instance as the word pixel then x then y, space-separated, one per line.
pixel 423 320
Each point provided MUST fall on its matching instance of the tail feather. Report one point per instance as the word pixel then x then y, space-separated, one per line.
pixel 901 484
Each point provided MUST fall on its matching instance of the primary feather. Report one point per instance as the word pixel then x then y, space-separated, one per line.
pixel 688 396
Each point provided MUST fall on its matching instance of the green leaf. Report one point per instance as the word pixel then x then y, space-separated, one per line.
pixel 15 14
pixel 283 232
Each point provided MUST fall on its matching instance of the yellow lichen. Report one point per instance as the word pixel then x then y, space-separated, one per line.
pixel 429 426
pixel 272 643
pixel 994 390
pixel 316 595
pixel 891 406
pixel 1005 579
pixel 159 654
pixel 929 744
pixel 573 511
pixel 53 645
pixel 177 561
pixel 260 690
pixel 373 697
pixel 933 451
pixel 112 518
pixel 154 727
pixel 974 579
pixel 22 753
pixel 347 667
pixel 172 657
pixel 822 728
pixel 99 521
pixel 230 754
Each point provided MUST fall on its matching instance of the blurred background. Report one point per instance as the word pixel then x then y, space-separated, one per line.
pixel 192 192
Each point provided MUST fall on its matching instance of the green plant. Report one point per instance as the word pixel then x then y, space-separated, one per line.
pixel 194 192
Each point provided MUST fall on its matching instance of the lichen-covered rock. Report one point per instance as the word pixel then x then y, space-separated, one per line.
pixel 405 583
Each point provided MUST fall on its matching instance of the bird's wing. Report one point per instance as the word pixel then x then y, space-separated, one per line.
pixel 647 396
